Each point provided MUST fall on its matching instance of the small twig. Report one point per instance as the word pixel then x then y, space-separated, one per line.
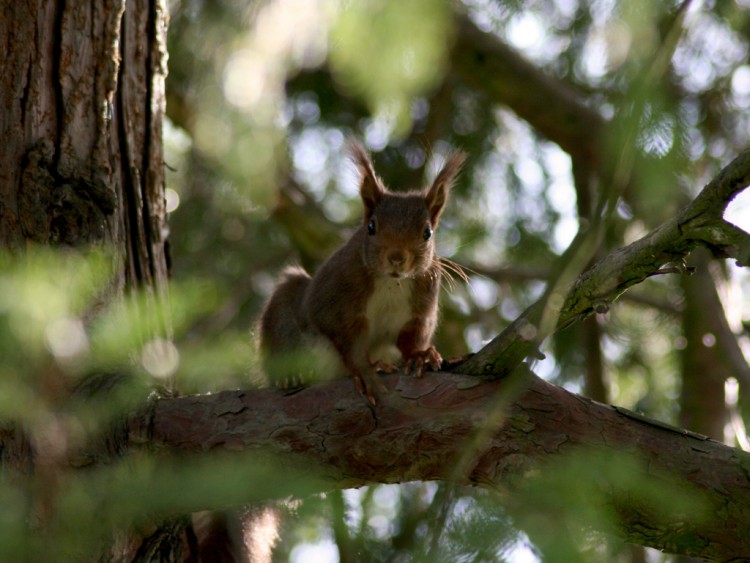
pixel 682 270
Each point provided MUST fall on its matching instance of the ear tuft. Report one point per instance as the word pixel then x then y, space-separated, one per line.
pixel 437 195
pixel 371 188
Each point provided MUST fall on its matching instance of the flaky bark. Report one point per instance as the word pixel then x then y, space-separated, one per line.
pixel 455 427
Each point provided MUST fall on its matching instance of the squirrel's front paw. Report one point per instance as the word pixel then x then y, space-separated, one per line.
pixel 420 359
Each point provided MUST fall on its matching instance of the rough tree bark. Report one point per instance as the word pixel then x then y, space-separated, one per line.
pixel 81 109
pixel 82 101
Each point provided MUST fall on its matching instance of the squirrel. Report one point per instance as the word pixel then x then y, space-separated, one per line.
pixel 373 301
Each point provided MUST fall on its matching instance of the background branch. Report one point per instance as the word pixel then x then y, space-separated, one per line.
pixel 700 223
pixel 491 66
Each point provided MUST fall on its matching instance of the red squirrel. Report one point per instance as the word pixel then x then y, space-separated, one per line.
pixel 373 301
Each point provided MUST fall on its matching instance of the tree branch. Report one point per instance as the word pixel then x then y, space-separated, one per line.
pixel 427 428
pixel 490 66
pixel 700 223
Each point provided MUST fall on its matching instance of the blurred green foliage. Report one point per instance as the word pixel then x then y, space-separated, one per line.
pixel 388 53
pixel 569 515
pixel 261 98
pixel 75 362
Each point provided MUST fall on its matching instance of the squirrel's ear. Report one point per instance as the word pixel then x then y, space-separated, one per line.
pixel 437 195
pixel 371 187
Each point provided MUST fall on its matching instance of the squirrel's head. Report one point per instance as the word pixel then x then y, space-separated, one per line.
pixel 399 227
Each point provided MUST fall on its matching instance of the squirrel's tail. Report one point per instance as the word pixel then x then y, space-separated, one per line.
pixel 281 328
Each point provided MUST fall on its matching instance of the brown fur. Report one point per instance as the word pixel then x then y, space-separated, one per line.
pixel 387 254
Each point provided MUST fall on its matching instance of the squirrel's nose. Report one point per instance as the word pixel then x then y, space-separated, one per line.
pixel 396 258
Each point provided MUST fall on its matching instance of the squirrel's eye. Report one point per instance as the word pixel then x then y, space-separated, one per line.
pixel 371 227
pixel 427 233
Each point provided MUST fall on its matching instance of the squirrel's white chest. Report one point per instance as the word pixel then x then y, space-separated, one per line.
pixel 388 310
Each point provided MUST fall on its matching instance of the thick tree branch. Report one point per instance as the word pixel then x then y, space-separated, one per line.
pixel 459 428
pixel 511 274
pixel 700 223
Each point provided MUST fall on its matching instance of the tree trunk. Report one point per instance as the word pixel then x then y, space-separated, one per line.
pixel 81 107
pixel 704 364
pixel 82 104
